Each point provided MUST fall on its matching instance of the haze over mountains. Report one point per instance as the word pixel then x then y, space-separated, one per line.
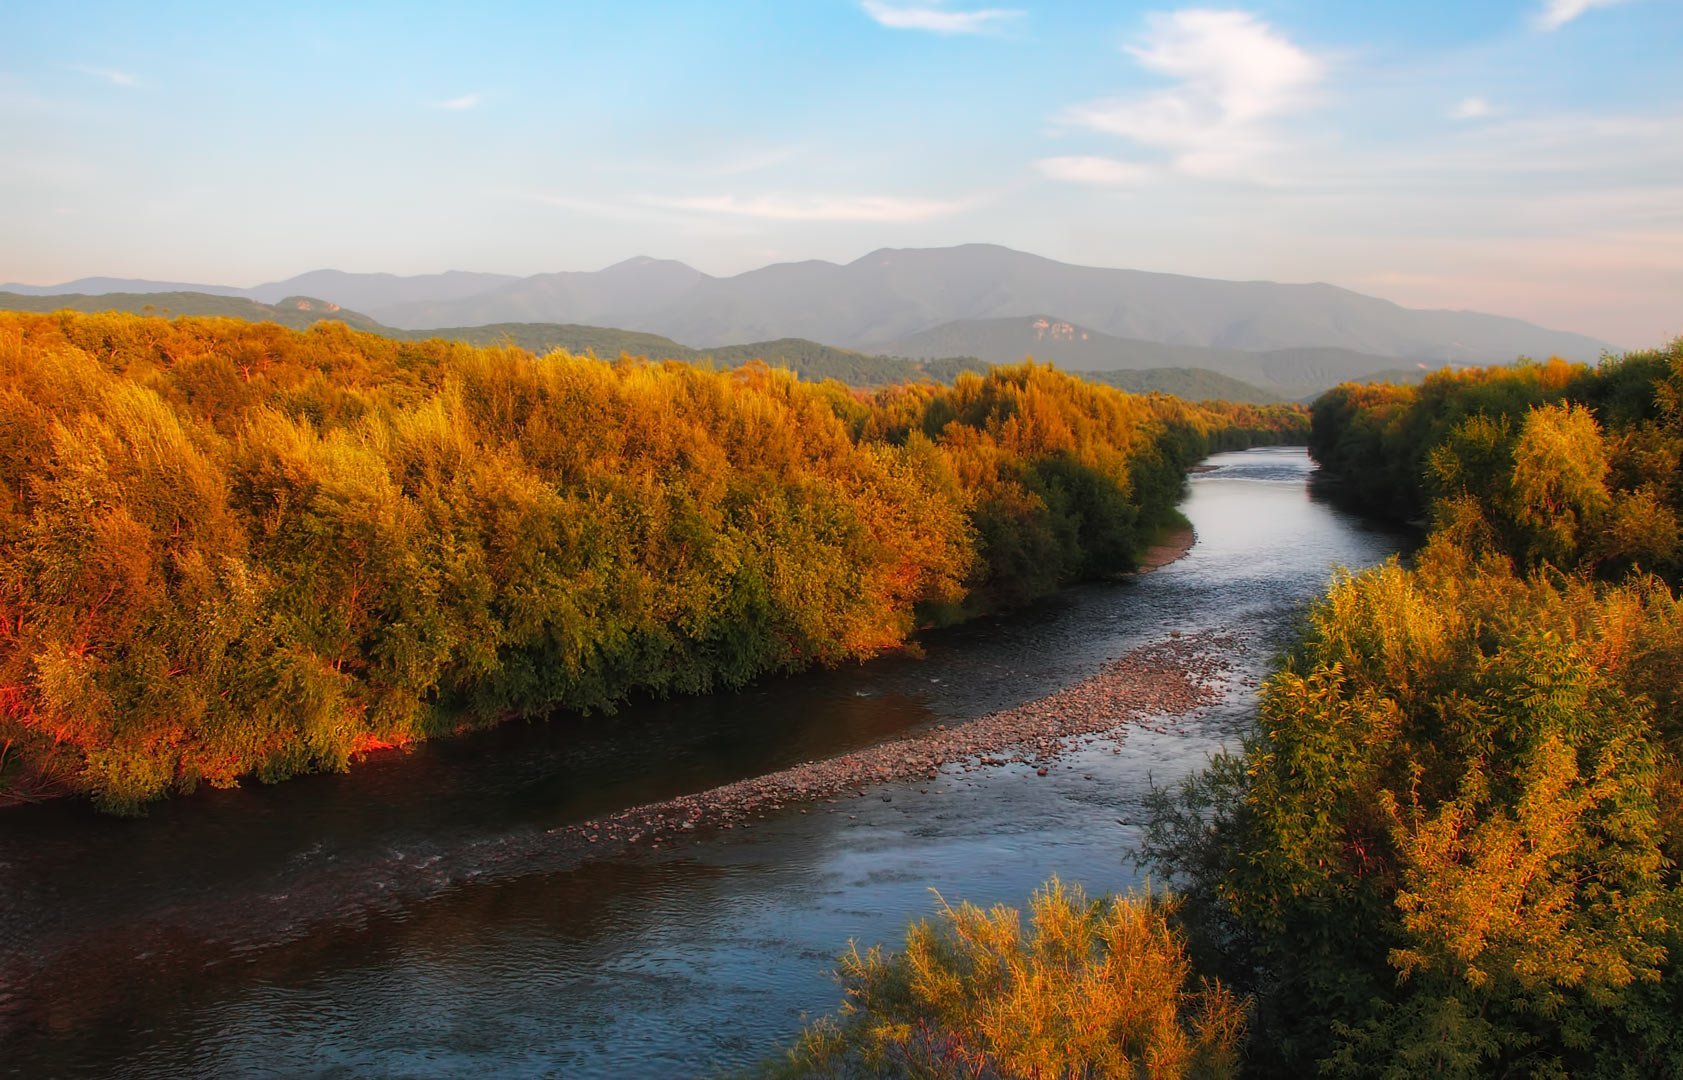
pixel 891 294
pixel 1286 373
pixel 933 307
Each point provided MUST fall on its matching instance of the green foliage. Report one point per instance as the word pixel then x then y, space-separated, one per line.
pixel 1450 832
pixel 1551 463
pixel 1097 988
pixel 1191 383
pixel 230 549
pixel 298 312
pixel 1451 847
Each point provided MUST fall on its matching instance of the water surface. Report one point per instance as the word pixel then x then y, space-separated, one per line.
pixel 416 917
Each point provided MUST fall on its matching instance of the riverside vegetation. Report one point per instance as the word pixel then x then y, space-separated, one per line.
pixel 232 549
pixel 1451 846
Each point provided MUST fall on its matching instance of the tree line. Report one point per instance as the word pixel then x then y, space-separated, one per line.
pixel 1451 845
pixel 232 549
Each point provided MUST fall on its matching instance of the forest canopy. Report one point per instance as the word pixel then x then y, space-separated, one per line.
pixel 1451 847
pixel 232 549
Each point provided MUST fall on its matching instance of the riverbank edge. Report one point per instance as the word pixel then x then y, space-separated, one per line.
pixel 1171 677
pixel 28 789
pixel 1172 545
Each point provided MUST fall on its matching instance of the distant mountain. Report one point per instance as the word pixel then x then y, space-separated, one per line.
pixel 365 292
pixel 938 355
pixel 358 291
pixel 1283 374
pixel 876 303
pixel 297 312
pixel 891 294
pixel 93 286
pixel 572 297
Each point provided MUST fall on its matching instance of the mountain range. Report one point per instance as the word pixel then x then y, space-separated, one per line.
pixel 892 294
pixel 1286 373
pixel 973 301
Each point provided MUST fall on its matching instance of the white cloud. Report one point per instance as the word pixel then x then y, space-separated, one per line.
pixel 937 19
pixel 1473 108
pixel 110 75
pixel 1097 171
pixel 856 208
pixel 1557 13
pixel 1236 75
pixel 460 104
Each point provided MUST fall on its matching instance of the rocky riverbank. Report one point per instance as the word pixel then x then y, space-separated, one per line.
pixel 1169 547
pixel 1156 681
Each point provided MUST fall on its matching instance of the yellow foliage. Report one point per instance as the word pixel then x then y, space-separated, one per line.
pixel 1097 988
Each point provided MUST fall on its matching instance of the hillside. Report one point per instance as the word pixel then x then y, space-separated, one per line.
pixel 296 312
pixel 1284 373
pixel 891 294
pixel 367 291
pixel 1193 384
pixel 97 286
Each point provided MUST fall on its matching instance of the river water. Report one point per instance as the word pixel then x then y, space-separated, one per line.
pixel 418 917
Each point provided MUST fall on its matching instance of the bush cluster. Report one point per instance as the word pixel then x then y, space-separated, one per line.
pixel 232 549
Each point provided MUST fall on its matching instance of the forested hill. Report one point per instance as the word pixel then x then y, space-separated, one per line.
pixel 1289 373
pixel 296 312
pixel 808 359
pixel 231 549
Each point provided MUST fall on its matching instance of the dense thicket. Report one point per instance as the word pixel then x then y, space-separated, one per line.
pixel 231 548
pixel 1589 454
pixel 1451 848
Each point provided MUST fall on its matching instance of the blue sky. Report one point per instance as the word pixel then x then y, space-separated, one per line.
pixel 1523 158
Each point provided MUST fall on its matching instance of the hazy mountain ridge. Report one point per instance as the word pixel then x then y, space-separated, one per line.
pixel 296 312
pixel 1286 373
pixel 365 292
pixel 808 359
pixel 100 286
pixel 889 295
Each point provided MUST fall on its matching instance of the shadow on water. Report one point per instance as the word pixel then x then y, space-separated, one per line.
pixel 418 917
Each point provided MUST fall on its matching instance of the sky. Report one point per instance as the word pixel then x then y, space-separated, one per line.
pixel 1523 158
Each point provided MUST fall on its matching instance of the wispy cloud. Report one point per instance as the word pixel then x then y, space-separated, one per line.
pixel 1473 108
pixel 460 104
pixel 937 19
pixel 1236 76
pixel 841 208
pixel 110 75
pixel 1097 171
pixel 1557 13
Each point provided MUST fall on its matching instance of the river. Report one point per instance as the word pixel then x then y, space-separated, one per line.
pixel 415 917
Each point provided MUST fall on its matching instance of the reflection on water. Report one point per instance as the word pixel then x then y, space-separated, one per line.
pixel 416 917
